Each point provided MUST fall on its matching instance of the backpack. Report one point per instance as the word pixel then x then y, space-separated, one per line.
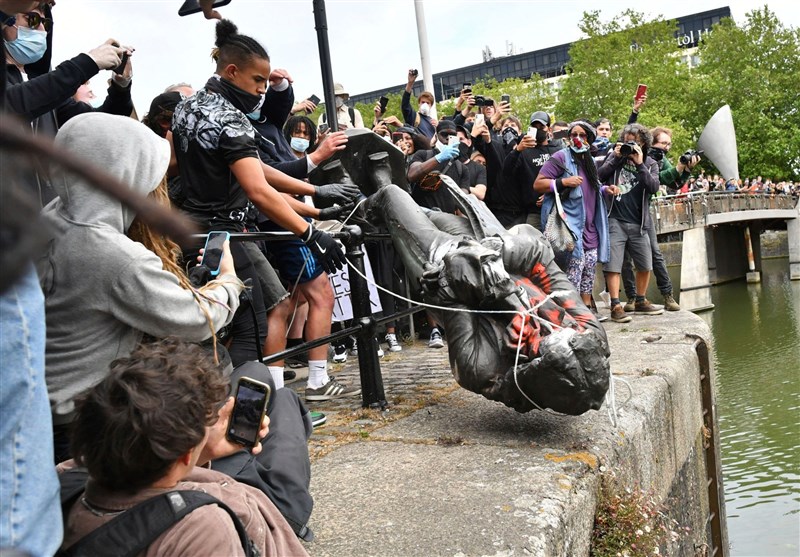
pixel 131 532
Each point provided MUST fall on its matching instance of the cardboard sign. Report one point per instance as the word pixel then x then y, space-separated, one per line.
pixel 340 282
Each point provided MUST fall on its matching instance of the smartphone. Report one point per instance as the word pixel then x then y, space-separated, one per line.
pixel 249 408
pixel 384 103
pixel 467 87
pixel 397 136
pixel 323 128
pixel 479 119
pixel 506 98
pixel 212 255
pixel 453 140
pixel 314 99
pixel 641 90
pixel 193 7
pixel 121 68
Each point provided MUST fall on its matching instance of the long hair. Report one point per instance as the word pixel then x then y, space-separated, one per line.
pixel 293 123
pixel 170 254
pixel 586 161
pixel 233 48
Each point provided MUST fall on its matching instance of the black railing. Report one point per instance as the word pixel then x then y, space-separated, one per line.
pixel 364 323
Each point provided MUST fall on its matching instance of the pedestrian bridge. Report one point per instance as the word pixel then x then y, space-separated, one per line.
pixel 721 237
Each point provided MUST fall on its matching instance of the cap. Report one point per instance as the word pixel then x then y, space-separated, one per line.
pixel 338 90
pixel 165 102
pixel 446 125
pixel 466 129
pixel 541 117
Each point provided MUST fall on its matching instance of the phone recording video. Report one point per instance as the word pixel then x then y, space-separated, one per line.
pixel 384 103
pixel 249 408
pixel 506 98
pixel 641 91
pixel 397 136
pixel 212 254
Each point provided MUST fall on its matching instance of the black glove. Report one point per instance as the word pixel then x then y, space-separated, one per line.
pixel 336 212
pixel 336 193
pixel 325 248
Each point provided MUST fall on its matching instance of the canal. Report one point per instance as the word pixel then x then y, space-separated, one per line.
pixel 756 330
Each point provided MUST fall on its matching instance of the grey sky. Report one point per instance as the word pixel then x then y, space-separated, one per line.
pixel 373 42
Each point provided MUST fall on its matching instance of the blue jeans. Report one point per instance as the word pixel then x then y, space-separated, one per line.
pixel 30 504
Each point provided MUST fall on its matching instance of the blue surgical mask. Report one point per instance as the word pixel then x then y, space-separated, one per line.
pixel 29 46
pixel 299 144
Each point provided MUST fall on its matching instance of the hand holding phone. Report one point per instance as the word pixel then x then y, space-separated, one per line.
pixel 641 91
pixel 479 120
pixel 213 251
pixel 506 98
pixel 249 408
pixel 453 140
pixel 384 103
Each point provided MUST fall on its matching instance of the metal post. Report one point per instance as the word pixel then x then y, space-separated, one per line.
pixel 422 34
pixel 372 395
pixel 321 25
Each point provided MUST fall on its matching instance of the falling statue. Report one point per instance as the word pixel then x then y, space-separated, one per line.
pixel 517 330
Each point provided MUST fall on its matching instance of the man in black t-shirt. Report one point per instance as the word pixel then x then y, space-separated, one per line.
pixel 522 165
pixel 426 165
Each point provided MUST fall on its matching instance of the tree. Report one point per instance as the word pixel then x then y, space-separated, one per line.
pixel 753 68
pixel 606 67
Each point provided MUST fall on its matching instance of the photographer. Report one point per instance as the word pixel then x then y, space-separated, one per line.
pixel 422 118
pixel 636 175
pixel 671 176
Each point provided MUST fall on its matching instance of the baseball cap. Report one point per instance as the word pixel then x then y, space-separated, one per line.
pixel 541 117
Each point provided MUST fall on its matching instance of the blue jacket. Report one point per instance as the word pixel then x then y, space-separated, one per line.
pixel 576 214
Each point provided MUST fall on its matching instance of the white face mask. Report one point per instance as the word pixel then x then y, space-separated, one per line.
pixel 339 102
pixel 299 144
pixel 424 109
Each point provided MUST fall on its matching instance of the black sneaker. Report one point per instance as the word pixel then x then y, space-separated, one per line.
pixel 289 375
pixel 298 361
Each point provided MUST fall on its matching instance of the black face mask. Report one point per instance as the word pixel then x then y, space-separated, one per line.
pixel 464 151
pixel 656 153
pixel 242 100
pixel 541 136
pixel 510 135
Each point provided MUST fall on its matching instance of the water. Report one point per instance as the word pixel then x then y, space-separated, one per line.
pixel 757 343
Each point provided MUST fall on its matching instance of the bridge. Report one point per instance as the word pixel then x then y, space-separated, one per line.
pixel 721 237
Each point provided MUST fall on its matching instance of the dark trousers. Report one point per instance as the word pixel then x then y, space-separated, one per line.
pixel 659 267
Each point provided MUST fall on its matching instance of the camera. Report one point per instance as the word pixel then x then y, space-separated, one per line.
pixel 686 158
pixel 480 100
pixel 627 148
pixel 413 72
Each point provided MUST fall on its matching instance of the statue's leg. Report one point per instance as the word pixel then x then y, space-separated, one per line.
pixel 414 236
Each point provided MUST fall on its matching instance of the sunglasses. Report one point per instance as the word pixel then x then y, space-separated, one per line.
pixel 581 135
pixel 35 20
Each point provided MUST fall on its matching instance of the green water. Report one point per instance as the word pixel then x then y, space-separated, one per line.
pixel 757 349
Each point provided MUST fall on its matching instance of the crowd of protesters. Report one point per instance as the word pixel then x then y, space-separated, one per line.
pixel 119 350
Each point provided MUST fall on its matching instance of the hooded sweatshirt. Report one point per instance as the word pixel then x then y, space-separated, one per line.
pixel 103 291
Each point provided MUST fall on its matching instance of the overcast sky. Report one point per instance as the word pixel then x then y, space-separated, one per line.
pixel 372 42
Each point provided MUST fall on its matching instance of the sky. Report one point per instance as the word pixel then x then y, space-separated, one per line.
pixel 373 43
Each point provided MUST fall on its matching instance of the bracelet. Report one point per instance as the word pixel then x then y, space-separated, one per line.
pixel 603 189
pixel 560 184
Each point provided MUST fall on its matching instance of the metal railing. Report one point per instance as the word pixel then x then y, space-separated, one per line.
pixel 675 213
pixel 364 326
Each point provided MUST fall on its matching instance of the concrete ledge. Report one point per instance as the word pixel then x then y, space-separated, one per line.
pixel 471 477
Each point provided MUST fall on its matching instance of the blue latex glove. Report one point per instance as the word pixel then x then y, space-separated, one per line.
pixel 450 152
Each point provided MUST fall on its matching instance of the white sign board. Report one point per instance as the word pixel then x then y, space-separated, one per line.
pixel 340 282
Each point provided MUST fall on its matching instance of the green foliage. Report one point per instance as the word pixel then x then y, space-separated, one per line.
pixel 754 68
pixel 629 523
pixel 616 56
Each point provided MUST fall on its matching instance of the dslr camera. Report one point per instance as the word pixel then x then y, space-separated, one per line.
pixel 627 148
pixel 686 158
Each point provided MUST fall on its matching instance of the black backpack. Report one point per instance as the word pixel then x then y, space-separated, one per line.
pixel 132 531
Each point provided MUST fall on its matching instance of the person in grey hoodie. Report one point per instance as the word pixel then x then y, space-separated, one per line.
pixel 103 291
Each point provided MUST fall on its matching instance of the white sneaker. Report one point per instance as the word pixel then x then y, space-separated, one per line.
pixel 391 341
pixel 436 340
pixel 340 355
